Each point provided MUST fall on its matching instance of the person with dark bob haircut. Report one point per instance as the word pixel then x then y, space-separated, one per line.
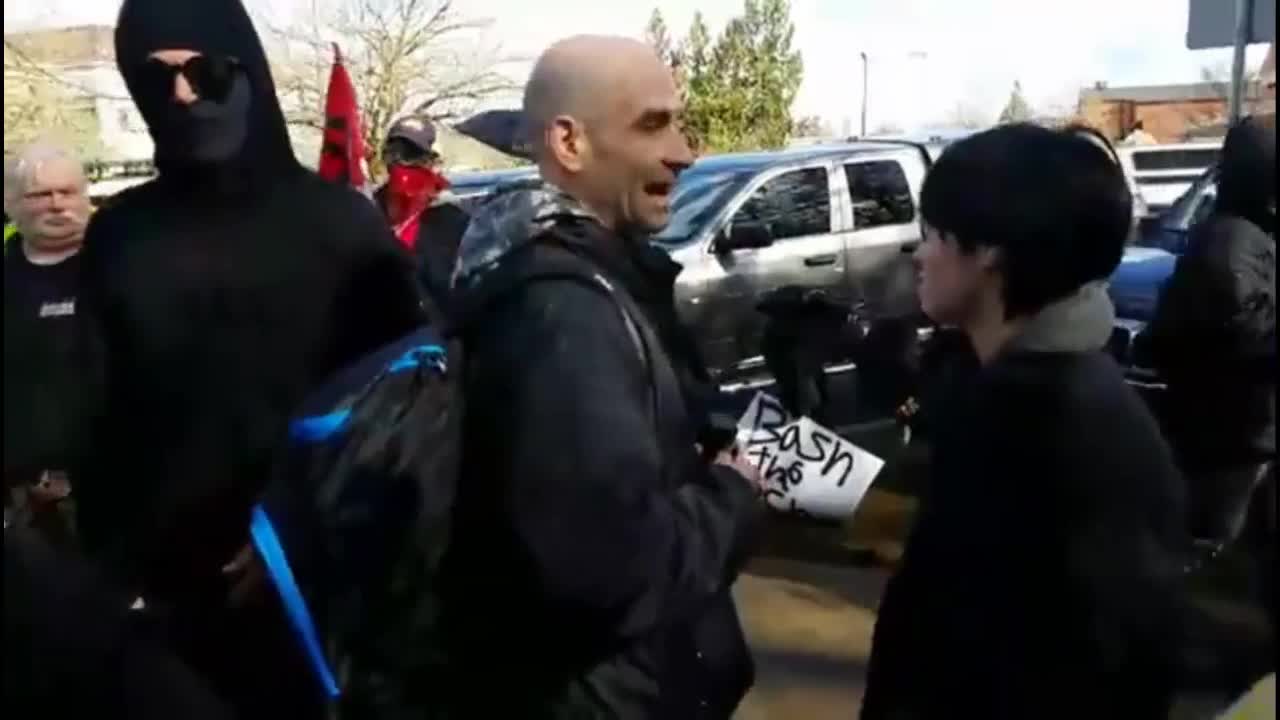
pixel 1041 576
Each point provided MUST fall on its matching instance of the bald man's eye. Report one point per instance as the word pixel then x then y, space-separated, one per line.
pixel 655 120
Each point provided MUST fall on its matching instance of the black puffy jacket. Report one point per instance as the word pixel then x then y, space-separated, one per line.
pixel 1213 336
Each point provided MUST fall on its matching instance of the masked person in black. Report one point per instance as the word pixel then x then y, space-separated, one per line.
pixel 218 294
pixel 418 206
pixel 591 562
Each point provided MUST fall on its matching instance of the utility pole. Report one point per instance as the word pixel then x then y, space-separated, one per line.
pixel 1244 30
pixel 865 76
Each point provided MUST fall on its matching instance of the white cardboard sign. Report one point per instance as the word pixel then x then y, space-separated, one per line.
pixel 807 468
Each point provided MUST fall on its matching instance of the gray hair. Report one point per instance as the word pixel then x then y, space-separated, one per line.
pixel 21 168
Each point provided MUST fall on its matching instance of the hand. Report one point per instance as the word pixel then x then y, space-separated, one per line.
pixel 246 574
pixel 908 410
pixel 734 458
pixel 53 486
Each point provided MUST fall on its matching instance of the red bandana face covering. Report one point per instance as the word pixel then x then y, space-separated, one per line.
pixel 414 187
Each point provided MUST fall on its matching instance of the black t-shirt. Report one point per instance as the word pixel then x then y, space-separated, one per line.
pixel 44 366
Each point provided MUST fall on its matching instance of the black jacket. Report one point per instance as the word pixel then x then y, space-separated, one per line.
pixel 1040 578
pixel 218 298
pixel 594 549
pixel 47 386
pixel 440 229
pixel 72 649
pixel 1213 336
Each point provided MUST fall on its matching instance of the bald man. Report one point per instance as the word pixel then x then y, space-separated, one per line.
pixel 594 546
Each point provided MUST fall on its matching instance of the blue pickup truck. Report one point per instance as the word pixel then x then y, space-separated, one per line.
pixel 1135 285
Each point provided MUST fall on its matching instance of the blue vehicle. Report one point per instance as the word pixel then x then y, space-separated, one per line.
pixel 471 186
pixel 1135 285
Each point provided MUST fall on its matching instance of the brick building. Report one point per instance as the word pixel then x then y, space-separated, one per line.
pixel 1267 76
pixel 1174 113
pixel 1170 113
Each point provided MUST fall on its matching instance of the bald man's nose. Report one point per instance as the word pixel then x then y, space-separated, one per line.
pixel 679 154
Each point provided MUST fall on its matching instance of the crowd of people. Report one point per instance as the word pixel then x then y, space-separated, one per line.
pixel 156 354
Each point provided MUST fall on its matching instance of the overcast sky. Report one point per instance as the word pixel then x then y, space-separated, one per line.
pixel 973 50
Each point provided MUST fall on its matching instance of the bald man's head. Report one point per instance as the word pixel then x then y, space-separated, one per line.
pixel 602 115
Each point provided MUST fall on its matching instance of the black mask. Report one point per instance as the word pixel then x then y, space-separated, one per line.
pixel 206 132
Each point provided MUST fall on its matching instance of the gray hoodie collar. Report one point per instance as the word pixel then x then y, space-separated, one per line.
pixel 1080 322
pixel 512 217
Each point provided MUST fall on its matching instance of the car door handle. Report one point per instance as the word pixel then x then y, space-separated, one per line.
pixel 820 260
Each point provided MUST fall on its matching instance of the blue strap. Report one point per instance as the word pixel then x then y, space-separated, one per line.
pixel 268 545
pixel 319 428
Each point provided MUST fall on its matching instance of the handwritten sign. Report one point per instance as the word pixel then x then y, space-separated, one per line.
pixel 808 469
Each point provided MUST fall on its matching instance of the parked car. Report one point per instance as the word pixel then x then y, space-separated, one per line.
pixel 1164 173
pixel 835 218
pixel 470 187
pixel 1135 285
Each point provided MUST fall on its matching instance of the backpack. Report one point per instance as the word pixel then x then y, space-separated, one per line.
pixel 355 522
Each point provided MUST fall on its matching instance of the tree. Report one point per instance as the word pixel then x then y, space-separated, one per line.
pixel 38 104
pixel 740 90
pixel 1017 109
pixel 404 57
pixel 657 35
pixel 968 116
pixel 811 126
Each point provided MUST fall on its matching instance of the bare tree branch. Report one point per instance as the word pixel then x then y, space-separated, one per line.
pixel 404 56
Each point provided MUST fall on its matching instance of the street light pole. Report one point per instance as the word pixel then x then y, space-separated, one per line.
pixel 865 76
pixel 1244 29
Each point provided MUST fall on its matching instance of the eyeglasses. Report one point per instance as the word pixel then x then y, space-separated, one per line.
pixel 210 76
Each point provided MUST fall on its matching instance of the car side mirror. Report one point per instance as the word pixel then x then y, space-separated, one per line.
pixel 744 236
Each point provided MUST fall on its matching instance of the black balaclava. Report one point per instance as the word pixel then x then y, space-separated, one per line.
pixel 1247 172
pixel 234 144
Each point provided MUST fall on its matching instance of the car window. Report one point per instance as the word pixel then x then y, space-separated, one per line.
pixel 794 204
pixel 1174 159
pixel 1204 205
pixel 879 194
pixel 698 198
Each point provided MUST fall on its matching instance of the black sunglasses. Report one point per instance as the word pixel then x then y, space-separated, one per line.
pixel 210 76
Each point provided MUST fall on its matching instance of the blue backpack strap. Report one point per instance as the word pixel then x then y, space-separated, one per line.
pixel 267 543
pixel 330 409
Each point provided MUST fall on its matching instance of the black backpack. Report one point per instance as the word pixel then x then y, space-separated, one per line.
pixel 356 520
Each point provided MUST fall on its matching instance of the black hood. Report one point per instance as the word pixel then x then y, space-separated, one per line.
pixel 1247 176
pixel 213 27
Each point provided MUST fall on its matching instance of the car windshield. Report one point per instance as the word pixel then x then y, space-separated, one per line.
pixel 697 199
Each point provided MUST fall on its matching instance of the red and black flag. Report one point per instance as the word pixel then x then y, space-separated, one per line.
pixel 342 152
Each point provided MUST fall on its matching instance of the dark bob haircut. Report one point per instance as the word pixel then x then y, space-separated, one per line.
pixel 1090 132
pixel 1054 204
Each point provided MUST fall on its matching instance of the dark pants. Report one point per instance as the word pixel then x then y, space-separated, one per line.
pixel 802 384
pixel 248 656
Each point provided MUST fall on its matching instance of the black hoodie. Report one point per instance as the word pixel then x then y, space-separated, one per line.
pixel 1213 336
pixel 218 296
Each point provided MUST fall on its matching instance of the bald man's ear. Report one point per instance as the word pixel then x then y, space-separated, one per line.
pixel 566 142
